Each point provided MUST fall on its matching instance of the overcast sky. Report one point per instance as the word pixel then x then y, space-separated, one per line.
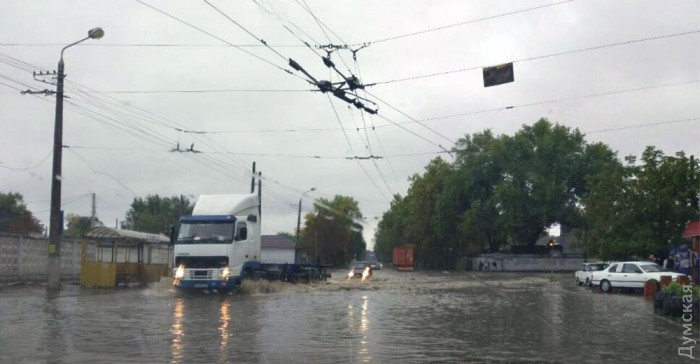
pixel 626 73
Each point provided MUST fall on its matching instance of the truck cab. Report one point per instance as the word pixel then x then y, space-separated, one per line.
pixel 219 244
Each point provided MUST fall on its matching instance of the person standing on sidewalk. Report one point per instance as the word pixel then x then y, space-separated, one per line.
pixel 668 263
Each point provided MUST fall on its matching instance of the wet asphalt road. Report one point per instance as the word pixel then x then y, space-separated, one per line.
pixel 409 317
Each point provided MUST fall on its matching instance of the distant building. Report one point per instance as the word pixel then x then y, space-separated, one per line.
pixel 276 249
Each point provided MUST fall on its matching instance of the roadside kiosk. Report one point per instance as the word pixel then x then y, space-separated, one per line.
pixel 115 257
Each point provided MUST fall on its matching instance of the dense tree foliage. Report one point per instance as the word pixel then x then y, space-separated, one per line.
pixel 14 216
pixel 641 209
pixel 332 233
pixel 504 190
pixel 155 214
pixel 77 225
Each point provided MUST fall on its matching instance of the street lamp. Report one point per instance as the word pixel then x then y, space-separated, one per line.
pixel 55 220
pixel 296 244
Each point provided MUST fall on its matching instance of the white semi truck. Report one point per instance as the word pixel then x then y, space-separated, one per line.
pixel 219 244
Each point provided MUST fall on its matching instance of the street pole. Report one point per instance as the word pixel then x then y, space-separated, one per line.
pixel 296 243
pixel 55 219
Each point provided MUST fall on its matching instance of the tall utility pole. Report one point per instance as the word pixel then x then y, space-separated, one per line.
pixel 93 213
pixel 56 218
pixel 296 243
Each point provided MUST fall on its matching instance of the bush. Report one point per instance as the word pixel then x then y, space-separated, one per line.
pixel 670 300
pixel 676 288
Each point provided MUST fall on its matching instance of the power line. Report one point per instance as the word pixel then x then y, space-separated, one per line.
pixel 102 173
pixel 198 91
pixel 282 21
pixel 107 105
pixel 588 49
pixel 357 128
pixel 381 146
pixel 159 45
pixel 131 149
pixel 468 22
pixel 410 117
pixel 149 117
pixel 417 154
pixel 169 123
pixel 10 86
pixel 645 125
pixel 217 38
pixel 608 45
pixel 322 25
pixel 339 123
pixel 372 180
pixel 262 41
pixel 252 154
pixel 15 81
pixel 551 101
pixel 371 157
pixel 364 124
pixel 409 130
pixel 120 117
pixel 16 63
pixel 350 146
pixel 18 169
pixel 144 133
pixel 71 199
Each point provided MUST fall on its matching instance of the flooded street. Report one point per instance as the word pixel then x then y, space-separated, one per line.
pixel 413 317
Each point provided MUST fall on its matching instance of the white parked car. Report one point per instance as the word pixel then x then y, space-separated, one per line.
pixel 630 275
pixel 583 275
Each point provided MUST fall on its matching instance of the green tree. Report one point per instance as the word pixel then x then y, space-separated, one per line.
pixel 428 225
pixel 543 179
pixel 424 217
pixel 639 209
pixel 155 214
pixel 287 235
pixel 391 229
pixel 478 168
pixel 14 216
pixel 79 226
pixel 333 233
pixel 511 188
pixel 499 191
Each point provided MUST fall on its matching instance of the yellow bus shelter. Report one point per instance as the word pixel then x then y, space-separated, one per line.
pixel 116 257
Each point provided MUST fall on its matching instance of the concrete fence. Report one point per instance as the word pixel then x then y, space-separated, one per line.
pixel 24 259
pixel 523 263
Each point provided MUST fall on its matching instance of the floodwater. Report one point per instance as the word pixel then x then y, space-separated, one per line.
pixel 395 317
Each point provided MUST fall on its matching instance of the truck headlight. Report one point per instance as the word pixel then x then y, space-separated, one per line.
pixel 225 274
pixel 180 272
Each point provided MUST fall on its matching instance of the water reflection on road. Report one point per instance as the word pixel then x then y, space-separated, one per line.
pixel 395 317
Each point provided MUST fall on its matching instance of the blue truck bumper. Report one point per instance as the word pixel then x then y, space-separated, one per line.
pixel 207 284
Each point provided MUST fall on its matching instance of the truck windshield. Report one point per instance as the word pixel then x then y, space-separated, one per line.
pixel 205 232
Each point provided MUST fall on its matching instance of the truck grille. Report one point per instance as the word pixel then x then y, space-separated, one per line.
pixel 202 274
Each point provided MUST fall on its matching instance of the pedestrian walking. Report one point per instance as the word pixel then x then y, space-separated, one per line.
pixel 668 263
